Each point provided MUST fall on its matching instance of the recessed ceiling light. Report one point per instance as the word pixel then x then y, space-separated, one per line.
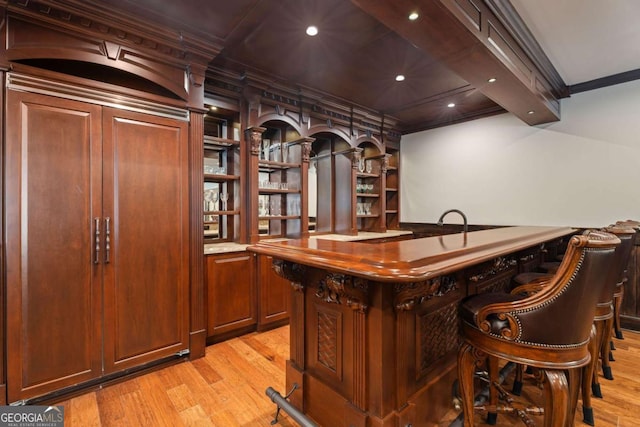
pixel 312 30
pixel 492 79
pixel 213 108
pixel 399 78
pixel 413 16
pixel 451 105
pixel 530 112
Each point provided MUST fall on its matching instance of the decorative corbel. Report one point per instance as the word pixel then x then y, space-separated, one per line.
pixel 290 271
pixel 254 136
pixel 339 288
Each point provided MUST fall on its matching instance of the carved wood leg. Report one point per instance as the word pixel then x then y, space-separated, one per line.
pixel 556 398
pixel 517 382
pixel 573 382
pixel 587 374
pixel 605 349
pixel 494 374
pixel 595 381
pixel 617 307
pixel 467 360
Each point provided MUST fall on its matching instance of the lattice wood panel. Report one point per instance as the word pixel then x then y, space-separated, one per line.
pixel 438 336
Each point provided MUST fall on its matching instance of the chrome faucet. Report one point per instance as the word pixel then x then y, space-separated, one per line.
pixel 464 217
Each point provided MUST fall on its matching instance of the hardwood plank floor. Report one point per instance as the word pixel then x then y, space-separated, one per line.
pixel 227 387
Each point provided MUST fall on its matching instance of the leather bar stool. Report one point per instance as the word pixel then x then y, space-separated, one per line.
pixel 603 317
pixel 549 330
pixel 605 312
pixel 619 292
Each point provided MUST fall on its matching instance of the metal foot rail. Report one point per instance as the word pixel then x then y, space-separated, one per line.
pixel 283 403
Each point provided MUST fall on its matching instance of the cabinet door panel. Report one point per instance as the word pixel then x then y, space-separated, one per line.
pixel 231 293
pixel 275 294
pixel 53 191
pixel 147 277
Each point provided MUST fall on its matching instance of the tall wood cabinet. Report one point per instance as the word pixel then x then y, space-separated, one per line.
pixel 97 241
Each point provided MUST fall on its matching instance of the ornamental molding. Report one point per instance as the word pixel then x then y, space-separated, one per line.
pixel 498 265
pixel 290 271
pixel 407 296
pixel 107 24
pixel 346 290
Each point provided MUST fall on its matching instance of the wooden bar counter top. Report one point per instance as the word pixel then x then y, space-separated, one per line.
pixel 374 326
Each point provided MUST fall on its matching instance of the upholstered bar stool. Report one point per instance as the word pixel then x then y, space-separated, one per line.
pixel 605 312
pixel 603 317
pixel 549 330
pixel 619 292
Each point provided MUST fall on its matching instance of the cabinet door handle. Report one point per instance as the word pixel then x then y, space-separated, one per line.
pixel 107 240
pixel 96 257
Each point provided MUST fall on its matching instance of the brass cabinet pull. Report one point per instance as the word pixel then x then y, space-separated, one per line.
pixel 107 240
pixel 96 258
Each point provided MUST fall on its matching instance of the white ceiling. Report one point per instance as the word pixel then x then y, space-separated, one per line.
pixel 585 39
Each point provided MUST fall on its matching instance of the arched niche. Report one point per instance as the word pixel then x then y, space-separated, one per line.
pixel 322 179
pixel 341 132
pixel 281 120
pixel 101 73
pixel 370 144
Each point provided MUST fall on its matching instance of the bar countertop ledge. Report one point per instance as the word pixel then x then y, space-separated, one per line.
pixel 409 260
pixel 374 326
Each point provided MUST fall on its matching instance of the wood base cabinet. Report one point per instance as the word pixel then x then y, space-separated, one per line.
pixel 275 295
pixel 231 295
pixel 244 293
pixel 97 242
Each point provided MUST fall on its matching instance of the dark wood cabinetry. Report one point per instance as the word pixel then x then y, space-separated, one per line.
pixel 392 188
pixel 97 244
pixel 274 295
pixel 222 189
pixel 231 294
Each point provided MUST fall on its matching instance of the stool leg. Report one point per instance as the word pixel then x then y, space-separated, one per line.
pixel 517 382
pixel 466 370
pixel 492 369
pixel 605 350
pixel 556 399
pixel 587 374
pixel 617 307
pixel 573 383
pixel 595 381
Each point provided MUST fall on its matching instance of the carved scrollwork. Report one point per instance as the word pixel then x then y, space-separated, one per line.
pixel 355 158
pixel 384 165
pixel 410 295
pixel 528 257
pixel 290 271
pixel 342 289
pixel 254 135
pixel 306 151
pixel 499 264
pixel 504 325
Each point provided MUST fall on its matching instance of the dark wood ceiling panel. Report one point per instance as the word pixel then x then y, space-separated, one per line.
pixel 210 18
pixel 362 45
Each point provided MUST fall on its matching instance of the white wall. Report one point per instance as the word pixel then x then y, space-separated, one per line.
pixel 581 171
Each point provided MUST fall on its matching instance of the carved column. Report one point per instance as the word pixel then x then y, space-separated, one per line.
pixel 197 330
pixel 253 140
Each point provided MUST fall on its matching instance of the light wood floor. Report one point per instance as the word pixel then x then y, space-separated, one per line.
pixel 227 388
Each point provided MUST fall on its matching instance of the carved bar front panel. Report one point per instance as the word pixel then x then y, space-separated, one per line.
pixel 374 327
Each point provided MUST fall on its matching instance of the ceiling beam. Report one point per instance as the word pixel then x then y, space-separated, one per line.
pixel 471 41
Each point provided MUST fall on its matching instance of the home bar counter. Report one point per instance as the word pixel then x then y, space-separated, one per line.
pixel 374 327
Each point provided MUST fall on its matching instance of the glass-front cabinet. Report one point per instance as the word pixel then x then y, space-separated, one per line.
pixel 370 189
pixel 392 189
pixel 222 195
pixel 279 182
